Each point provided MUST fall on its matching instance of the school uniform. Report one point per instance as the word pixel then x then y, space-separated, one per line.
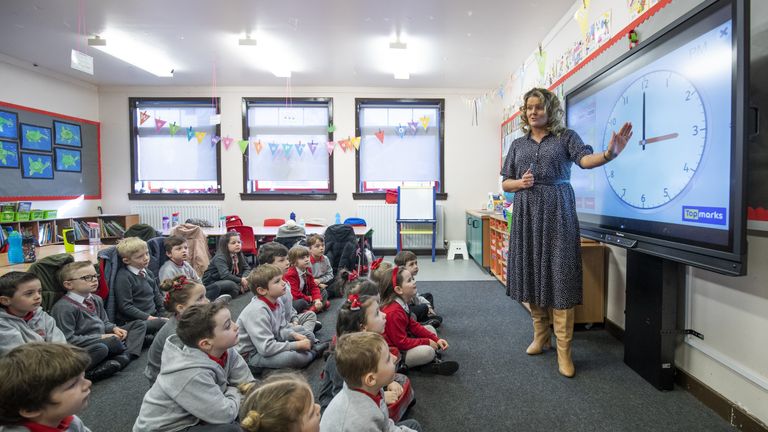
pixel 36 326
pixel 69 424
pixel 263 337
pixel 137 297
pixel 193 388
pixel 226 273
pixel 303 288
pixel 303 322
pixel 170 270
pixel 155 351
pixel 354 410
pixel 402 332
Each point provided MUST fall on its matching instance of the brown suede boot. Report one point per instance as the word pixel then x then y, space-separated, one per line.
pixel 563 321
pixel 541 336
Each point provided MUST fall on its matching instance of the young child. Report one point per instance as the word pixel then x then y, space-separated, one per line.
pixel 136 294
pixel 417 344
pixel 80 315
pixel 277 254
pixel 283 402
pixel 177 251
pixel 265 339
pixel 321 265
pixel 43 387
pixel 366 365
pixel 349 283
pixel 180 294
pixel 22 320
pixel 197 385
pixel 306 294
pixel 228 267
pixel 361 313
pixel 422 306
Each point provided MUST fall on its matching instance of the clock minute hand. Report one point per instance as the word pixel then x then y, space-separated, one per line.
pixel 659 138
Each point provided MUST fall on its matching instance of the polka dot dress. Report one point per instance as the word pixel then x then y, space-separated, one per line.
pixel 544 266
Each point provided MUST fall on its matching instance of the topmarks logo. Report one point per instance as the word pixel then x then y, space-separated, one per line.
pixel 706 215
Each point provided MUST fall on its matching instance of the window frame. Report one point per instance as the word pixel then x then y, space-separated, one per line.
pixel 440 194
pixel 132 195
pixel 286 196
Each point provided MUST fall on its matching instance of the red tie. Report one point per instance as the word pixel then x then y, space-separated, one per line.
pixel 89 304
pixel 142 274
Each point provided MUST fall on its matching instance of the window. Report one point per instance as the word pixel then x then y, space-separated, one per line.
pixel 167 165
pixel 293 162
pixel 411 154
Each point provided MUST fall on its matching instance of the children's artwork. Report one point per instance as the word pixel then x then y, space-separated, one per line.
pixel 36 166
pixel 35 138
pixel 67 134
pixel 9 125
pixel 68 160
pixel 599 32
pixel 9 155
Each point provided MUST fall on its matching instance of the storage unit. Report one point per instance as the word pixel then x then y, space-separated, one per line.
pixel 49 231
pixel 478 237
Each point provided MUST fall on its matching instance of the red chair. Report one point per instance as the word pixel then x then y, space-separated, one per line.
pixel 248 241
pixel 233 221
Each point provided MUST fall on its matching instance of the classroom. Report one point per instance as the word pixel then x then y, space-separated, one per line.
pixel 410 125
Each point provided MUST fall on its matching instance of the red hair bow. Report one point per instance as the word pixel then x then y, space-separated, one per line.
pixel 354 302
pixel 352 276
pixel 178 284
pixel 376 263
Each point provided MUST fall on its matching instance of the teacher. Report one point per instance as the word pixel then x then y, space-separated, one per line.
pixel 544 267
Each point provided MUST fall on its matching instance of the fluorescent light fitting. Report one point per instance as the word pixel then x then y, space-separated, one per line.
pixel 282 73
pixel 398 45
pixel 247 41
pixel 96 41
pixel 402 75
pixel 131 50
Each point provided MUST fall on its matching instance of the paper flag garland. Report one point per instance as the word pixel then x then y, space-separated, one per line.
pixel 424 122
pixel 330 146
pixel 215 140
pixel 227 142
pixel 413 127
pixel 243 145
pixel 200 136
pixel 287 150
pixel 355 142
pixel 273 148
pixel 312 146
pixel 400 130
pixel 258 146
pixel 300 148
pixel 380 136
pixel 541 61
pixel 344 144
pixel 582 17
pixel 190 134
pixel 331 128
pixel 143 117
pixel 173 128
pixel 159 124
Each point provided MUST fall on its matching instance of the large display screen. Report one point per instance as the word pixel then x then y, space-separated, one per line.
pixel 674 181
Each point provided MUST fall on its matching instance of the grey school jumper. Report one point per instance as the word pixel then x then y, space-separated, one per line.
pixel 136 297
pixel 192 388
pixel 170 270
pixel 76 426
pixel 352 411
pixel 14 331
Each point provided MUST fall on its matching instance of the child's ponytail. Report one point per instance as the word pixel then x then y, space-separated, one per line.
pixel 177 291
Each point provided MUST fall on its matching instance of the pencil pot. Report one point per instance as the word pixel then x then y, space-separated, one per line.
pixel 28 249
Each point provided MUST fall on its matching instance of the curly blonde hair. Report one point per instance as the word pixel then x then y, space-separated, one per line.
pixel 277 404
pixel 552 107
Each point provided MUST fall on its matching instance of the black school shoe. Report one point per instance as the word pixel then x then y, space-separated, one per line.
pixel 318 326
pixel 148 339
pixel 432 321
pixel 439 367
pixel 104 370
pixel 318 348
pixel 123 359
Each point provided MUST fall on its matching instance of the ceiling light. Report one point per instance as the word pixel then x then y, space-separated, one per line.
pixel 398 45
pixel 399 59
pixel 131 50
pixel 282 73
pixel 97 41
pixel 246 41
pixel 402 75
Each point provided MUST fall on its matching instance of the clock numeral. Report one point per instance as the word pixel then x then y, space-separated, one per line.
pixel 666 193
pixel 623 192
pixel 612 121
pixel 688 94
pixel 611 174
pixel 625 99
pixel 695 130
pixel 685 167
pixel 644 83
pixel 642 198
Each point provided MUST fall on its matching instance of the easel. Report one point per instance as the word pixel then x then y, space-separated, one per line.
pixel 416 205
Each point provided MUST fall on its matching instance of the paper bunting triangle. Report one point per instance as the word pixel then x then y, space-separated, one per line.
pixel 190 133
pixel 380 136
pixel 355 142
pixel 413 127
pixel 400 130
pixel 258 146
pixel 173 128
pixel 227 142
pixel 200 136
pixel 287 150
pixel 274 148
pixel 424 122
pixel 330 145
pixel 344 144
pixel 159 124
pixel 215 140
pixel 300 148
pixel 312 146
pixel 143 117
pixel 331 128
pixel 243 145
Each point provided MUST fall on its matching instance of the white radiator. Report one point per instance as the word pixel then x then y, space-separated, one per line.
pixel 152 214
pixel 381 217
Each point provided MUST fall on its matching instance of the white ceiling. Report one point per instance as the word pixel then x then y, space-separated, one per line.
pixel 451 43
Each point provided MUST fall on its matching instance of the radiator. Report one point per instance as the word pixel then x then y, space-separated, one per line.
pixel 152 214
pixel 381 218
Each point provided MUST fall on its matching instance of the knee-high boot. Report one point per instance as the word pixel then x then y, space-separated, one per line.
pixel 541 336
pixel 563 323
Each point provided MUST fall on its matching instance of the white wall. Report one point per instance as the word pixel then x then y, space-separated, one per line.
pixel 470 151
pixel 30 87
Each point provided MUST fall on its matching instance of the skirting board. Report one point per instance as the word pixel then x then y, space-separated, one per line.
pixel 726 409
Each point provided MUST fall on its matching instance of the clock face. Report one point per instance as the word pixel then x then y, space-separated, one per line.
pixel 669 134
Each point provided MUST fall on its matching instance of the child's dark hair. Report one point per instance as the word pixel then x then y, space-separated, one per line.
pixel 31 372
pixel 314 238
pixel 260 277
pixel 351 316
pixel 172 241
pixel 224 247
pixel 197 323
pixel 177 291
pixel 349 284
pixel 403 257
pixel 277 405
pixel 10 282
pixel 387 285
pixel 269 251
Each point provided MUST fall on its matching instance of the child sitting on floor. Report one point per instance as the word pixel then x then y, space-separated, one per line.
pixel 283 402
pixel 417 344
pixel 422 305
pixel 364 361
pixel 42 388
pixel 136 294
pixel 228 267
pixel 321 265
pixel 197 385
pixel 265 339
pixel 80 315
pixel 22 320
pixel 177 251
pixel 180 293
pixel 306 294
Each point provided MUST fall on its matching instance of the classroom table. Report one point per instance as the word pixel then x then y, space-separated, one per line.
pixel 81 253
pixel 267 231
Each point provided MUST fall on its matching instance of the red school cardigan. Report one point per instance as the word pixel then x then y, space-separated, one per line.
pixel 311 290
pixel 403 332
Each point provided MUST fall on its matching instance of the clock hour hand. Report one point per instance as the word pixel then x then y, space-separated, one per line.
pixel 659 138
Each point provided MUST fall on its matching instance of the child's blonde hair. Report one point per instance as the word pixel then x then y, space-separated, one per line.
pixel 278 404
pixel 358 354
pixel 384 270
pixel 296 253
pixel 177 291
pixel 128 246
pixel 260 277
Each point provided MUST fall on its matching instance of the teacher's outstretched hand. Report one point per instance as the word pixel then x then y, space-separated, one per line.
pixel 618 141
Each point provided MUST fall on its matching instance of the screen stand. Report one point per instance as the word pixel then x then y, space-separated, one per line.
pixel 651 317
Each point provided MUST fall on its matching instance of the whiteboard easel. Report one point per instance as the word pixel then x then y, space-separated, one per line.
pixel 416 205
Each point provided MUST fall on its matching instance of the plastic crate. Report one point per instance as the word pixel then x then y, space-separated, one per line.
pixel 22 216
pixel 49 214
pixel 36 215
pixel 8 216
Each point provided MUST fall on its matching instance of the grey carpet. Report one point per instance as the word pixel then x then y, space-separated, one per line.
pixel 498 388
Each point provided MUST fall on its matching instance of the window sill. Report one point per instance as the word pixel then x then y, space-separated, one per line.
pixel 176 197
pixel 440 196
pixel 288 196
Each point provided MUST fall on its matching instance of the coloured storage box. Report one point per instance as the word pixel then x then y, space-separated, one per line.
pixel 22 216
pixel 36 215
pixel 49 214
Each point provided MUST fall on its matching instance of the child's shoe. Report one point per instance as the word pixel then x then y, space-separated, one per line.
pixel 123 359
pixel 104 370
pixel 224 299
pixel 318 348
pixel 440 367
pixel 318 326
